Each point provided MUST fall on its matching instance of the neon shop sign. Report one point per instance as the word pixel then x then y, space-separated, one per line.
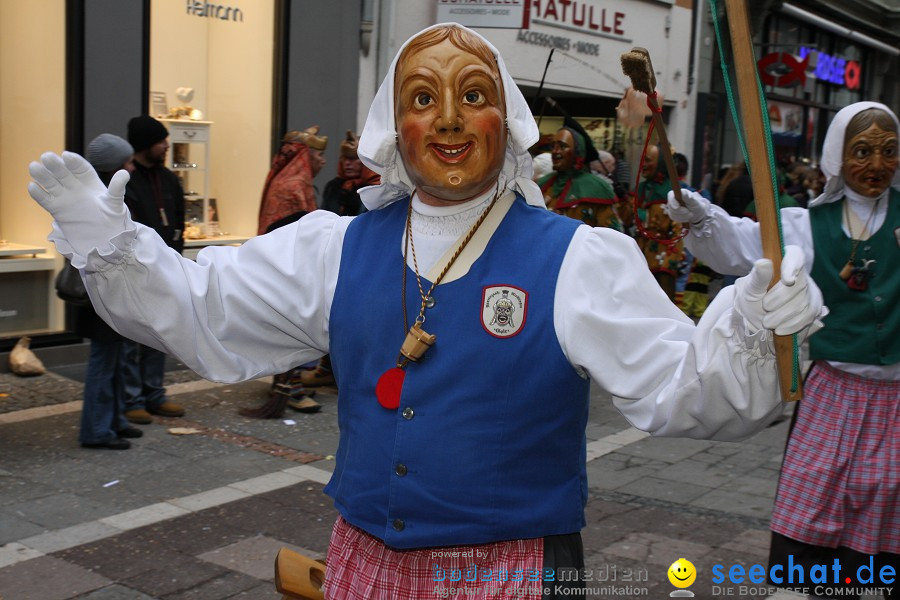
pixel 835 69
pixel 782 69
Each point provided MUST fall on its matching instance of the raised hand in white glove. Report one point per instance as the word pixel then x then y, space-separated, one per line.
pixel 793 305
pixel 86 212
pixel 693 209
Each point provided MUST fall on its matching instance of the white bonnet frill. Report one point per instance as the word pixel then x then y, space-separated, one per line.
pixel 833 151
pixel 378 142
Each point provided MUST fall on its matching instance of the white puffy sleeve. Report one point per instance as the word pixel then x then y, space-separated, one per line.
pixel 730 245
pixel 667 376
pixel 237 312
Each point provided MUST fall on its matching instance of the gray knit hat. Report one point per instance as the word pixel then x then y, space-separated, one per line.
pixel 108 152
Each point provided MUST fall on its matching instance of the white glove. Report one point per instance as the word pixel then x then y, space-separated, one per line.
pixel 793 305
pixel 88 214
pixel 693 210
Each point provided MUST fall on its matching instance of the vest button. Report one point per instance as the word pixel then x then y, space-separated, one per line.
pixel 877 298
pixel 401 470
pixel 867 248
pixel 408 413
pixel 429 302
pixel 398 525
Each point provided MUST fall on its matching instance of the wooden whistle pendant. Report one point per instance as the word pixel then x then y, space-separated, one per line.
pixel 417 342
pixel 847 271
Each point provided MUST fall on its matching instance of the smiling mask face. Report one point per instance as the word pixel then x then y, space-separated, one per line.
pixel 870 161
pixel 450 117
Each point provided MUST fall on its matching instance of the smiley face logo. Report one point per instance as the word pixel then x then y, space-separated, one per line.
pixel 682 573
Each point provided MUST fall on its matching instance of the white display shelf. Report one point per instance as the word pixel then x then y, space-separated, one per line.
pixel 10 264
pixel 11 249
pixel 219 240
pixel 189 158
pixel 19 258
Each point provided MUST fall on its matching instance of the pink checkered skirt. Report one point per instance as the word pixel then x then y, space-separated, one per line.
pixel 840 482
pixel 361 567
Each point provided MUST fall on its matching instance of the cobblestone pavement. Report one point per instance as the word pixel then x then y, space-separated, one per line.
pixel 201 516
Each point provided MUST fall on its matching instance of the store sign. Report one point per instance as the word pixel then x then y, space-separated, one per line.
pixel 557 41
pixel 214 11
pixel 578 15
pixel 509 14
pixel 834 69
pixel 781 69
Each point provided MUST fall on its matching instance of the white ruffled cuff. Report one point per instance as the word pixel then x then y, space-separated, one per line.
pixel 102 256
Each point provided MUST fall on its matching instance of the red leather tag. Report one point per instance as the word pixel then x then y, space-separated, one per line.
pixel 389 387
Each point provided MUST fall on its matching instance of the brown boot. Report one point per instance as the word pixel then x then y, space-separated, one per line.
pixel 317 377
pixel 304 404
pixel 139 416
pixel 166 409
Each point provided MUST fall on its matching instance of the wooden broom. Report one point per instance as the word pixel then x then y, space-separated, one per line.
pixel 637 66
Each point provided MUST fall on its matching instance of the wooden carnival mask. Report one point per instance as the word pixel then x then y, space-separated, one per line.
pixel 870 160
pixel 450 116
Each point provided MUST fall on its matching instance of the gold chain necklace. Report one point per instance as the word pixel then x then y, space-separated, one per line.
pixel 390 384
pixel 847 271
pixel 416 351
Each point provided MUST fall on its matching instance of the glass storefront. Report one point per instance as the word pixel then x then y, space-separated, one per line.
pixel 834 75
pixel 205 71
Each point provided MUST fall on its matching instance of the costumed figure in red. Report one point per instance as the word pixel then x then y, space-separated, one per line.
pixel 655 226
pixel 572 190
pixel 289 185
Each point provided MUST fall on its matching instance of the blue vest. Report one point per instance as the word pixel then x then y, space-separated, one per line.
pixel 489 441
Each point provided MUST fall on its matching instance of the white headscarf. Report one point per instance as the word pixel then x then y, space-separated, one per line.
pixel 378 142
pixel 833 151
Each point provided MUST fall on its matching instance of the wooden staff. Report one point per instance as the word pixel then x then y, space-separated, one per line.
pixel 761 174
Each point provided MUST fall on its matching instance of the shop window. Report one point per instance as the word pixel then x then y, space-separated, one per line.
pixel 32 111
pixel 211 69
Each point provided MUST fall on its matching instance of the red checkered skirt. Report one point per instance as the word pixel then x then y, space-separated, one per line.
pixel 361 567
pixel 840 481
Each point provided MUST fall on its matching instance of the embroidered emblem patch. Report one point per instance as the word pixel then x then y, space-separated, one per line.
pixel 503 310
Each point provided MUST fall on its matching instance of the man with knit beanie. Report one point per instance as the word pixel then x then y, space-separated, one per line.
pixel 103 422
pixel 155 198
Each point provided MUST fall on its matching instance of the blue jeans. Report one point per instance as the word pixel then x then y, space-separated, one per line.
pixel 143 372
pixel 102 413
pixel 684 272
